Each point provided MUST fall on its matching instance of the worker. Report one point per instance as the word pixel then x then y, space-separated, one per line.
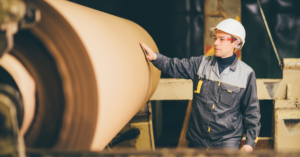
pixel 225 103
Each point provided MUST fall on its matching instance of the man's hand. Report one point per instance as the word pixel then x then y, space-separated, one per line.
pixel 150 54
pixel 247 148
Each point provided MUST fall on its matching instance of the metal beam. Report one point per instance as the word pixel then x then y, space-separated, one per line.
pixel 173 89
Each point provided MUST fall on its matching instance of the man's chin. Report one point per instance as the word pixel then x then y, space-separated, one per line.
pixel 217 55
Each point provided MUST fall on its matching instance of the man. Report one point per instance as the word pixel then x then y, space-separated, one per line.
pixel 225 102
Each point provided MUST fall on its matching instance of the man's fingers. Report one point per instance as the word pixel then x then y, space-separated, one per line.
pixel 143 45
pixel 247 148
pixel 150 54
pixel 146 47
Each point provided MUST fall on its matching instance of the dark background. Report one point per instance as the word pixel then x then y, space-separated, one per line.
pixel 177 28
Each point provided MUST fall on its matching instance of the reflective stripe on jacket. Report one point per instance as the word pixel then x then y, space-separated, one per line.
pixel 222 103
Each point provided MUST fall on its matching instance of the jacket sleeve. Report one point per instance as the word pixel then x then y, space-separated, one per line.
pixel 185 68
pixel 251 111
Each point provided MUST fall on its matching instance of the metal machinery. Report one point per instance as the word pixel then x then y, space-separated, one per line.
pixel 82 75
pixel 75 79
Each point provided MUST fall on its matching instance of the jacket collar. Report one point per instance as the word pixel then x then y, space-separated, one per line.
pixel 233 66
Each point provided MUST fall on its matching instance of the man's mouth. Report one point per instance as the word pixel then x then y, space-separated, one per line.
pixel 216 49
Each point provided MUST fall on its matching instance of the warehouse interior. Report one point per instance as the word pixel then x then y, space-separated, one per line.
pixel 71 74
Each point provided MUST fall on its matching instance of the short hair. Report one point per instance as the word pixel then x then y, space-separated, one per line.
pixel 233 38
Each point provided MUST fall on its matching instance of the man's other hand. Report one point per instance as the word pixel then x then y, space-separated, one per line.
pixel 247 148
pixel 150 54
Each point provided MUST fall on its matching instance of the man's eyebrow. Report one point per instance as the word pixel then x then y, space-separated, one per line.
pixel 221 36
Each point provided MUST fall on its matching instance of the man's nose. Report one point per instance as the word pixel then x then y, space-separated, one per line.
pixel 216 42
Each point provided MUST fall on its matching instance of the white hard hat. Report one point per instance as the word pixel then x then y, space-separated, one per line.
pixel 234 28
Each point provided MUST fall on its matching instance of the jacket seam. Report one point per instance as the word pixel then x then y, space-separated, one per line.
pixel 224 82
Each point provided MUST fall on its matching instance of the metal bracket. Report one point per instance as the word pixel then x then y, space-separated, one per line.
pixel 11 141
pixel 14 14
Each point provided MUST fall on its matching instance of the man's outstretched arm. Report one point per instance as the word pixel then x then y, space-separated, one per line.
pixel 185 68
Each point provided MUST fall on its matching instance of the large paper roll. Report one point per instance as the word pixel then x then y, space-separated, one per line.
pixel 105 76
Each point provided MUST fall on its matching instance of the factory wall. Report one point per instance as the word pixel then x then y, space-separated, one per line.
pixel 283 17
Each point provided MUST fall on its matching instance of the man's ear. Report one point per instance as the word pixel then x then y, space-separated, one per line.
pixel 236 43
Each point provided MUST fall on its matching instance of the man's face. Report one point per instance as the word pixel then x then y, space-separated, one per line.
pixel 223 44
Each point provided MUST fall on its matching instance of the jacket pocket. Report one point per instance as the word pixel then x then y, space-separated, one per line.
pixel 228 93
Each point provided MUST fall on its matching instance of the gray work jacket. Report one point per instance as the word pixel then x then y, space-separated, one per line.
pixel 224 105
